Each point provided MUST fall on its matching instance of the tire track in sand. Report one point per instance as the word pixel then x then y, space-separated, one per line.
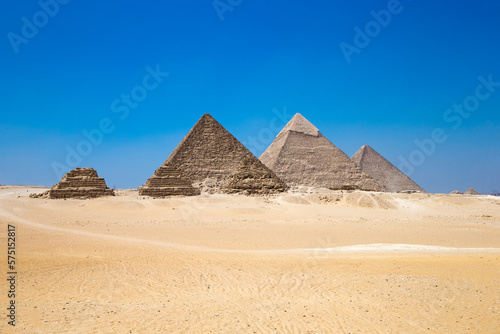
pixel 153 243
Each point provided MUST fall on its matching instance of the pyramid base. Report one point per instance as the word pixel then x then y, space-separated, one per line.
pixel 346 187
pixel 168 191
pixel 252 177
pixel 251 188
pixel 79 193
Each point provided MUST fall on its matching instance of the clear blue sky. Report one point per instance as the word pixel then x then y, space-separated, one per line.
pixel 71 73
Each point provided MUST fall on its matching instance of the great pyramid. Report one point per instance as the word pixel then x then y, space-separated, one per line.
pixel 382 171
pixel 471 191
pixel 79 183
pixel 301 155
pixel 168 181
pixel 210 152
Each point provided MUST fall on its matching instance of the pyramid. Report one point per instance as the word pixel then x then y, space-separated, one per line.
pixel 301 155
pixel 382 171
pixel 168 181
pixel 456 192
pixel 210 153
pixel 471 191
pixel 79 183
pixel 253 177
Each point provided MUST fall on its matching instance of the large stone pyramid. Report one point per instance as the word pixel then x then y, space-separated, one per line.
pixel 382 171
pixel 168 181
pixel 210 152
pixel 301 155
pixel 79 183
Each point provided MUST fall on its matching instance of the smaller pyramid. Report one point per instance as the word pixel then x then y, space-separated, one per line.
pixel 456 192
pixel 471 191
pixel 253 177
pixel 384 172
pixel 80 183
pixel 168 181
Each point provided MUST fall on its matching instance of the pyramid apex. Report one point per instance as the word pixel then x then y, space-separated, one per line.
pixel 362 152
pixel 383 171
pixel 206 118
pixel 365 149
pixel 362 149
pixel 299 123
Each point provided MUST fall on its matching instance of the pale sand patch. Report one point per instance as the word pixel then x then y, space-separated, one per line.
pixel 233 264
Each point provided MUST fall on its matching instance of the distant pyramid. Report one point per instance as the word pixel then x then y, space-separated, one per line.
pixel 301 155
pixel 456 192
pixel 253 177
pixel 209 151
pixel 471 191
pixel 168 181
pixel 382 171
pixel 79 183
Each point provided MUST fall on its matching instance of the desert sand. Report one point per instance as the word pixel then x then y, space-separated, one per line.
pixel 299 262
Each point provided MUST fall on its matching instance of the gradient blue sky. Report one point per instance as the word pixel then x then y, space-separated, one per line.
pixel 264 56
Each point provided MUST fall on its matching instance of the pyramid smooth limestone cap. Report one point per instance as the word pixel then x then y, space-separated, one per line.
pixel 299 123
pixel 365 149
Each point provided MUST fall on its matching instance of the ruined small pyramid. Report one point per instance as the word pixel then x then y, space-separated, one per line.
pixel 301 155
pixel 382 171
pixel 80 183
pixel 168 181
pixel 471 191
pixel 253 177
pixel 210 152
pixel 456 192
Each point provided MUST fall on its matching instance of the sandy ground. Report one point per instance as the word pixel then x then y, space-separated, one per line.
pixel 326 262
